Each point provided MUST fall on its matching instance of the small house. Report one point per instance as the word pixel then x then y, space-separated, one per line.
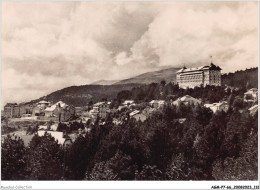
pixel 251 95
pixel 186 100
pixel 220 106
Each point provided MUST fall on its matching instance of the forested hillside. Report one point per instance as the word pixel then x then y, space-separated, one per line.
pixel 242 79
pixel 82 95
pixel 168 75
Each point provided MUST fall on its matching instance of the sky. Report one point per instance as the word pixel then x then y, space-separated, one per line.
pixel 47 46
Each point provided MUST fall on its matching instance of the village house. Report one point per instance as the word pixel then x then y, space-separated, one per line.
pixel 253 110
pixel 26 108
pixel 128 103
pixel 49 111
pixel 100 109
pixel 67 113
pixel 148 111
pixel 136 114
pixel 52 127
pixel 59 111
pixel 43 104
pixel 11 110
pixel 83 120
pixel 80 110
pixel 251 95
pixel 157 103
pixel 220 106
pixel 186 100
pixel 38 109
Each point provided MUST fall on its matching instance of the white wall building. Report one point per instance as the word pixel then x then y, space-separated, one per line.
pixel 205 75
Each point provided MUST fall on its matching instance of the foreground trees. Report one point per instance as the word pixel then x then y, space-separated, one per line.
pixel 44 159
pixel 206 146
pixel 13 158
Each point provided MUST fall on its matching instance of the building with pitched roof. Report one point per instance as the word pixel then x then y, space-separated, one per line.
pixel 136 114
pixel 11 110
pixel 192 77
pixel 251 95
pixel 186 100
pixel 157 103
pixel 220 106
pixel 253 110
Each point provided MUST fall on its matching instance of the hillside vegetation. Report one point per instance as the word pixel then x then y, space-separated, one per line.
pixel 82 95
pixel 242 79
pixel 168 75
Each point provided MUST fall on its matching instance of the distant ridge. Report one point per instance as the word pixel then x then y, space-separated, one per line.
pixel 169 75
pixel 105 82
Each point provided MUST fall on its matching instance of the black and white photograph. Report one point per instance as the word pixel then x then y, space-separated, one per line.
pixel 130 91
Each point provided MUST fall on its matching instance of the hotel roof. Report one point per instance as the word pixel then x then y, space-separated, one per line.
pixel 211 67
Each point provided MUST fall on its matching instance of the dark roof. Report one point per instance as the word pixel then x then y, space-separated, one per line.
pixel 211 67
pixel 11 104
pixel 214 67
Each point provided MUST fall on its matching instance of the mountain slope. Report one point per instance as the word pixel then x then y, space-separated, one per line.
pixel 105 82
pixel 82 95
pixel 242 79
pixel 169 75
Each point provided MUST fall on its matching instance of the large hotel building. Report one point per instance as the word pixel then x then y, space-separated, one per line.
pixel 206 75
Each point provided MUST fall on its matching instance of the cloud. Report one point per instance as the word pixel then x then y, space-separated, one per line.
pixel 184 34
pixel 50 45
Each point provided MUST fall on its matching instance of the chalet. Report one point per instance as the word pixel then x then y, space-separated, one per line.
pixel 128 103
pixel 137 115
pixel 186 100
pixel 100 109
pixel 157 103
pixel 253 110
pixel 43 104
pixel 49 111
pixel 83 120
pixel 59 111
pixel 220 106
pixel 251 95
pixel 40 107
